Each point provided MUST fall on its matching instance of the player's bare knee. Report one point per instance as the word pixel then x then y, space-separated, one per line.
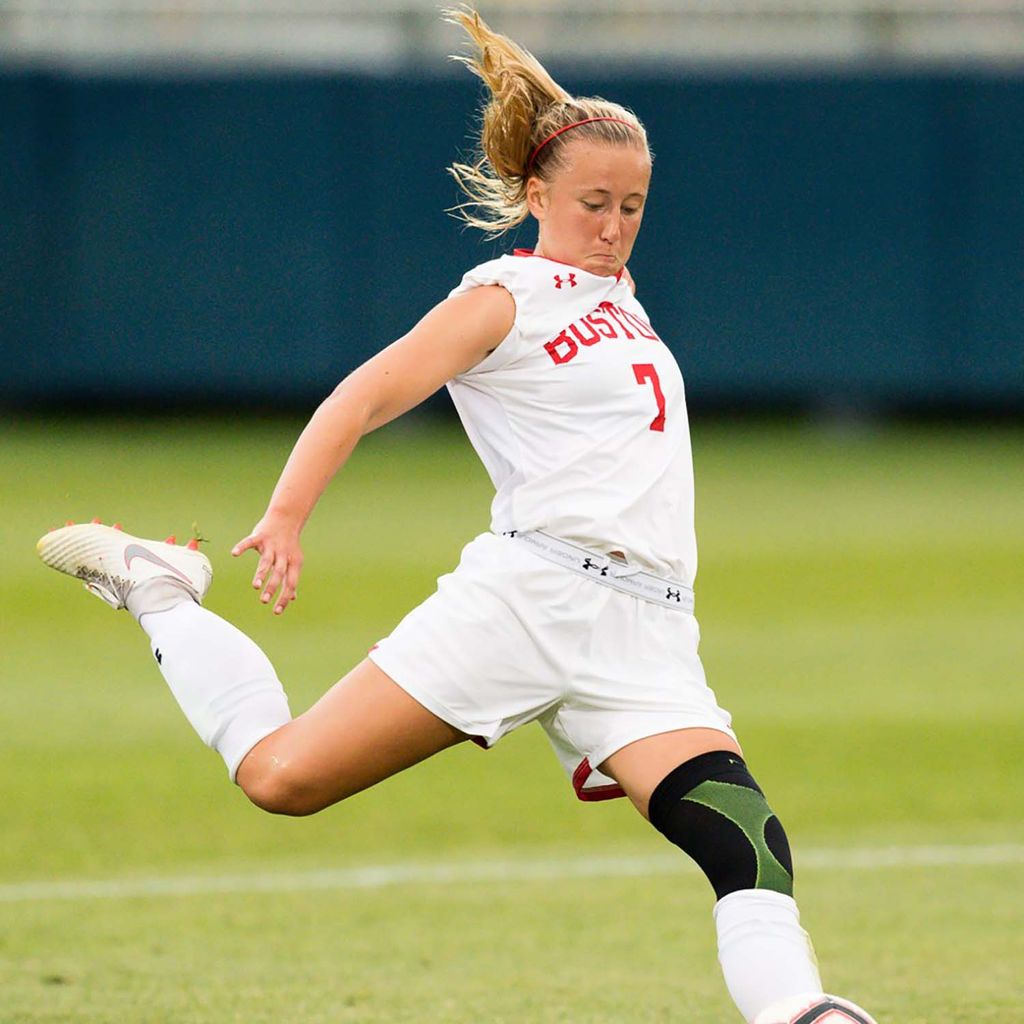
pixel 282 789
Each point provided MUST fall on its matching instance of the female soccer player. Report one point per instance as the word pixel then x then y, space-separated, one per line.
pixel 576 609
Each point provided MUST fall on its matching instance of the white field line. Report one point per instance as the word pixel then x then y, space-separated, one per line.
pixel 496 871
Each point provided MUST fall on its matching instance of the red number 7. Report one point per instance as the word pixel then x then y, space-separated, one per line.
pixel 646 372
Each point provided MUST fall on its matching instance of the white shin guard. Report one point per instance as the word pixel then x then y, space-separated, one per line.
pixel 764 953
pixel 223 682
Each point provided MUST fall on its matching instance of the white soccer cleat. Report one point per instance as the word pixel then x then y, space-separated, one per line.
pixel 111 563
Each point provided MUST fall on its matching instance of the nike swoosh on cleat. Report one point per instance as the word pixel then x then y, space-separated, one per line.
pixel 137 551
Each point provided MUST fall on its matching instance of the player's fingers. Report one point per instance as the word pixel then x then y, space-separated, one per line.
pixel 262 569
pixel 244 545
pixel 286 596
pixel 291 583
pixel 277 574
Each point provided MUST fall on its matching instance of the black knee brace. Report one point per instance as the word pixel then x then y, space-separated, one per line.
pixel 712 809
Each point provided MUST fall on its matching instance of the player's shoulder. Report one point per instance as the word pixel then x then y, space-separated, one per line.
pixel 529 276
pixel 505 270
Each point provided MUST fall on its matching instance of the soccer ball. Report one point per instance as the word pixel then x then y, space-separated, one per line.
pixel 815 1008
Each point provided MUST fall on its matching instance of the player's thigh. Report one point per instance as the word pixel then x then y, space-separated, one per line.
pixel 363 730
pixel 639 766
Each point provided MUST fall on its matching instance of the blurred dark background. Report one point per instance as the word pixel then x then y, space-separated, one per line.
pixel 836 219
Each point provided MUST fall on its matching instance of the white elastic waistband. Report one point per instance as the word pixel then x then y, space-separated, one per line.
pixel 607 571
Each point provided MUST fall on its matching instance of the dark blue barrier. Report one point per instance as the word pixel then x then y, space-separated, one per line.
pixel 844 238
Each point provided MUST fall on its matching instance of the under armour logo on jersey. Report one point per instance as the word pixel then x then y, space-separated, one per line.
pixel 570 280
pixel 674 595
pixel 591 564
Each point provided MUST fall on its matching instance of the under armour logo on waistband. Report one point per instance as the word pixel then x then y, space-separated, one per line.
pixel 674 595
pixel 590 564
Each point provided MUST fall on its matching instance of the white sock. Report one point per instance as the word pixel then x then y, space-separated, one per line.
pixel 223 682
pixel 764 953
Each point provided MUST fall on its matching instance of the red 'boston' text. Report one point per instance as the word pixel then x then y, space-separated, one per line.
pixel 607 321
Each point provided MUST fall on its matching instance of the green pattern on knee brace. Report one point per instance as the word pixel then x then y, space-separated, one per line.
pixel 748 810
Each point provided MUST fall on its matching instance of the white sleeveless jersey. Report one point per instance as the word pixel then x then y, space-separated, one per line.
pixel 579 417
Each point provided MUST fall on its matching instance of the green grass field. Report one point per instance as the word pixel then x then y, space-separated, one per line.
pixel 862 605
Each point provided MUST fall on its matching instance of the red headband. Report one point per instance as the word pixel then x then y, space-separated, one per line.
pixel 575 124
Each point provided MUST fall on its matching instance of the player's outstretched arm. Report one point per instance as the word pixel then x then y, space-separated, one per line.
pixel 453 337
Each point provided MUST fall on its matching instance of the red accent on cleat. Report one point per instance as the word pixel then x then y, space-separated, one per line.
pixel 193 544
pixel 118 526
pixel 70 522
pixel 171 540
pixel 96 521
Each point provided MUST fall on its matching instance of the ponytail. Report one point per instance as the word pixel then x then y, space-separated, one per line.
pixel 522 126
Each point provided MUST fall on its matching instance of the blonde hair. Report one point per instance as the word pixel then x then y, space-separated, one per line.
pixel 527 109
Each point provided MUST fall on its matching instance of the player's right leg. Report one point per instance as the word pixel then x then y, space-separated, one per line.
pixel 363 730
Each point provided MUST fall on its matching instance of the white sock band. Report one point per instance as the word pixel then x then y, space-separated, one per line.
pixel 764 953
pixel 223 682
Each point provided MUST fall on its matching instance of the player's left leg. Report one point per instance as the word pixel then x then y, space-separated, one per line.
pixel 694 787
pixel 364 730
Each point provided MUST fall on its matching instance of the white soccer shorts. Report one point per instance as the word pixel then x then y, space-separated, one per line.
pixel 509 638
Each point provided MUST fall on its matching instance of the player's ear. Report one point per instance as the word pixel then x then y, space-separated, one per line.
pixel 536 197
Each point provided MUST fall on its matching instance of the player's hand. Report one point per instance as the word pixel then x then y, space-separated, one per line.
pixel 277 541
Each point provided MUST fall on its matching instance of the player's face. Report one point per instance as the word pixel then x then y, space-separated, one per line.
pixel 590 212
